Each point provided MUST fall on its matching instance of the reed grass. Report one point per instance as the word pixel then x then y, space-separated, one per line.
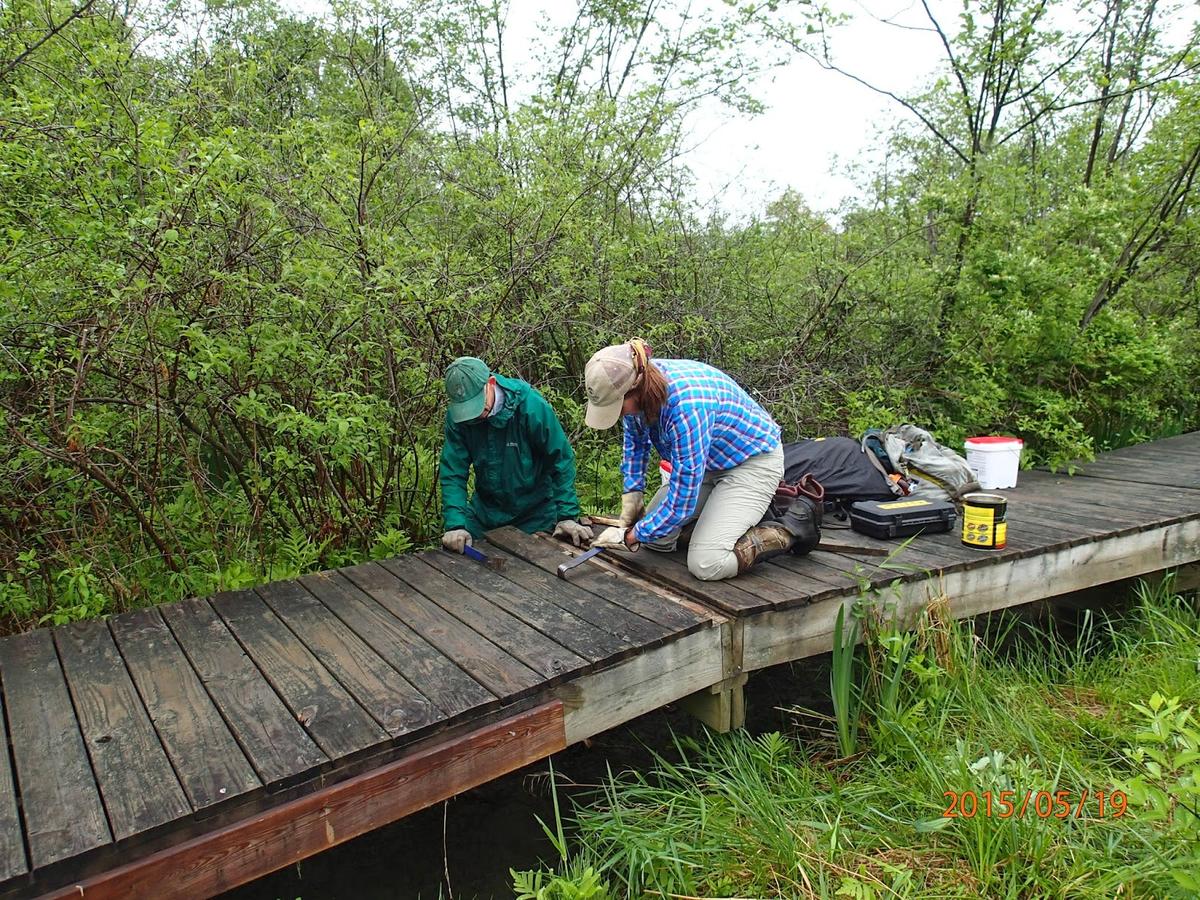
pixel 774 815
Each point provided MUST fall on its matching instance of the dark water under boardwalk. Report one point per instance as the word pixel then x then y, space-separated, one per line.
pixel 464 848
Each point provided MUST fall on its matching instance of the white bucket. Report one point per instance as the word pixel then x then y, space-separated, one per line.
pixel 995 460
pixel 664 472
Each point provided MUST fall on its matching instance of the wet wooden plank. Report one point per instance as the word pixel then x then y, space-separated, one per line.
pixel 211 766
pixel 548 658
pixel 632 630
pixel 484 661
pixel 836 582
pixel 12 845
pixel 324 707
pixel 1158 505
pixel 534 609
pixel 61 802
pixel 393 702
pixel 670 570
pixel 1174 462
pixel 252 847
pixel 267 731
pixel 598 582
pixel 799 586
pixel 136 780
pixel 864 571
pixel 441 680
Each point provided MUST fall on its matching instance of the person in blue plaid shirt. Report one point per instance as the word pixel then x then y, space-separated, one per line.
pixel 725 454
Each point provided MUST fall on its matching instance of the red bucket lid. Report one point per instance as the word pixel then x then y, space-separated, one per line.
pixel 995 439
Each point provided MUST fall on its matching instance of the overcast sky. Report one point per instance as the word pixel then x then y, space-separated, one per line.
pixel 817 123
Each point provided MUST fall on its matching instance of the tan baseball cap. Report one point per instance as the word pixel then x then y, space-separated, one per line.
pixel 608 376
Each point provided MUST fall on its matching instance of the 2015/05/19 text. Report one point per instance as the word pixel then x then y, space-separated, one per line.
pixel 1043 804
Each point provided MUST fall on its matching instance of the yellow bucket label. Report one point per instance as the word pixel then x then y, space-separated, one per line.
pixel 903 504
pixel 981 528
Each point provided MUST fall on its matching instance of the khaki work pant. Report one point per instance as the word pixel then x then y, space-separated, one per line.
pixel 731 502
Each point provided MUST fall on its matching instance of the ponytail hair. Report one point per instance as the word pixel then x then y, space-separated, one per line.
pixel 651 386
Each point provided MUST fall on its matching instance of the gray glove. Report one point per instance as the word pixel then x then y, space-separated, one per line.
pixel 455 540
pixel 570 530
pixel 632 507
pixel 613 539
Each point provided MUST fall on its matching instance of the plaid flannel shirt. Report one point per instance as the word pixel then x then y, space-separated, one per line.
pixel 708 424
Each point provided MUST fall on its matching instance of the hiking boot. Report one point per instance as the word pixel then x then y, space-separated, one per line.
pixel 762 542
pixel 803 522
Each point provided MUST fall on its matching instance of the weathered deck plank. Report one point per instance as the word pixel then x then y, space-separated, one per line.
pixel 59 797
pixel 621 592
pixel 548 658
pixel 328 712
pixel 136 780
pixel 268 733
pixel 668 570
pixel 381 690
pixel 13 861
pixel 211 766
pixel 484 661
pixel 298 828
pixel 450 688
pixel 595 609
pixel 566 628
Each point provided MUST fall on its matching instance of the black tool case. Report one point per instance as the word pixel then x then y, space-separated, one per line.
pixel 901 517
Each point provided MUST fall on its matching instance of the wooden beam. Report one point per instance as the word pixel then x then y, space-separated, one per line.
pixel 269 841
pixel 777 637
pixel 643 683
pixel 722 707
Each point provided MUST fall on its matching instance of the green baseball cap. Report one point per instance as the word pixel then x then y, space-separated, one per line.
pixel 466 380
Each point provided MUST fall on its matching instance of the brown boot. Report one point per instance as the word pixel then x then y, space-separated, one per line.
pixel 761 542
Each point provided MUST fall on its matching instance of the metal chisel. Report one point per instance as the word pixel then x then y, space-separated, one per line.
pixel 581 558
pixel 495 564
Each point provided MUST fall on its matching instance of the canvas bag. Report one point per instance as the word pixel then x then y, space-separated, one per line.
pixel 931 470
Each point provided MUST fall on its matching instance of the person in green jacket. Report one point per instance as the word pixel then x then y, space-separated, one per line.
pixel 524 465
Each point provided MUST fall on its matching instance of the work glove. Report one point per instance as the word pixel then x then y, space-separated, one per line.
pixel 632 508
pixel 456 539
pixel 570 530
pixel 612 538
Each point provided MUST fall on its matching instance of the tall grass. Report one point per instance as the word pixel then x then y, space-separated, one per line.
pixel 768 815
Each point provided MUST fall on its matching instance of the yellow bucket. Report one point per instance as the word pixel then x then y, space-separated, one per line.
pixel 985 525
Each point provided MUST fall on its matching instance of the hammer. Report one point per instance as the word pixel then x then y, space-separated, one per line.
pixel 566 567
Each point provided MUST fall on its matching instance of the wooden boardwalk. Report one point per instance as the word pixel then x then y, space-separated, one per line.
pixel 185 749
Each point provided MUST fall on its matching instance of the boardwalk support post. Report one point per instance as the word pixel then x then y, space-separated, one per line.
pixel 722 707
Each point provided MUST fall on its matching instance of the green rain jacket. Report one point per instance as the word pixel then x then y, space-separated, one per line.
pixel 524 467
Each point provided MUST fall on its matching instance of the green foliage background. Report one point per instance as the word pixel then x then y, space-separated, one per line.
pixel 238 248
